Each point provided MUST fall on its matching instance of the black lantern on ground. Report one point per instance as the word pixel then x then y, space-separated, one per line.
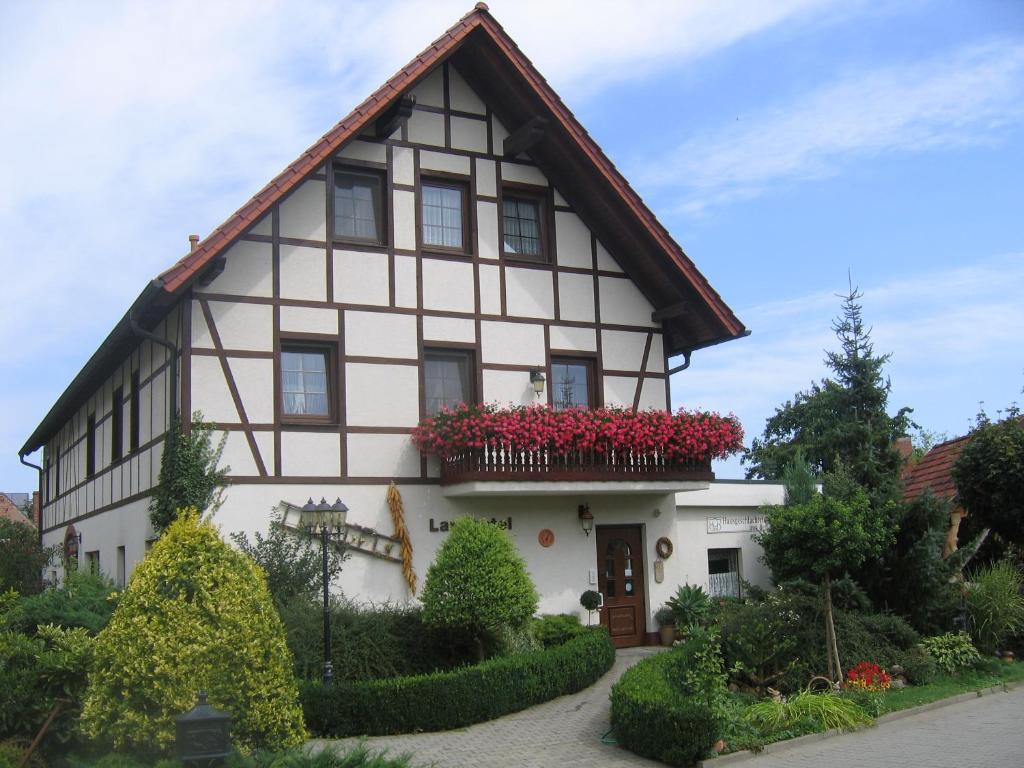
pixel 586 518
pixel 203 734
pixel 328 521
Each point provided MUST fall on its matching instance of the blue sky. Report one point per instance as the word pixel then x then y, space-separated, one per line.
pixel 783 144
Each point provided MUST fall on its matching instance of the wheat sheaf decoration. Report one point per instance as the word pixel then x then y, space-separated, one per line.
pixel 394 499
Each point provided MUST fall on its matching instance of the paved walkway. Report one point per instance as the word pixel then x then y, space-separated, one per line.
pixel 986 732
pixel 564 732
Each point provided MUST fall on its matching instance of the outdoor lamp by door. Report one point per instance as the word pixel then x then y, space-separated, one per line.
pixel 203 734
pixel 537 379
pixel 586 518
pixel 328 521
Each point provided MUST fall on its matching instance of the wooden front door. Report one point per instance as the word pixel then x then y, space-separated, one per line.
pixel 620 568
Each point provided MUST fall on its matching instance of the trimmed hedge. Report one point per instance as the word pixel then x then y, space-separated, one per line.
pixel 444 700
pixel 653 717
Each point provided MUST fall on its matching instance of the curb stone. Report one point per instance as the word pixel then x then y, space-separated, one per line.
pixel 778 746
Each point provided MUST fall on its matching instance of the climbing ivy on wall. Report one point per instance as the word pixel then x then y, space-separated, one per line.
pixel 189 475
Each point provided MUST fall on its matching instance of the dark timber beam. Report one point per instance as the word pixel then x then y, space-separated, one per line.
pixel 212 272
pixel 526 136
pixel 672 310
pixel 394 117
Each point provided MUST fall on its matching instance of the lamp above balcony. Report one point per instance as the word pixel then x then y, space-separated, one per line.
pixel 586 518
pixel 537 380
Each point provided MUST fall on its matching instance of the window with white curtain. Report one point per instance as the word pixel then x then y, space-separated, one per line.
pixel 357 206
pixel 447 378
pixel 304 382
pixel 443 216
pixel 521 226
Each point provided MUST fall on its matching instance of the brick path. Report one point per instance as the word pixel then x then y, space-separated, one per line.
pixel 564 732
pixel 985 732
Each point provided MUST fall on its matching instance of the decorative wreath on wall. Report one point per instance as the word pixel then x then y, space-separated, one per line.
pixel 664 548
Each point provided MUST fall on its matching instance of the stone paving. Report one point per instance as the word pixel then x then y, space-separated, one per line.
pixel 986 732
pixel 566 731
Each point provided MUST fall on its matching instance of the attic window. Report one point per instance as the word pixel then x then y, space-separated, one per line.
pixel 358 206
pixel 444 216
pixel 523 225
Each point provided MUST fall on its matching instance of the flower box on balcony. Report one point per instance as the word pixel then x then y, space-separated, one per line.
pixel 485 442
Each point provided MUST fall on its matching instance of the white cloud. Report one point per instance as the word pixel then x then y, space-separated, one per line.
pixel 941 327
pixel 955 99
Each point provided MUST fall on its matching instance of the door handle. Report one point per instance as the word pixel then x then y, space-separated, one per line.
pixel 600 600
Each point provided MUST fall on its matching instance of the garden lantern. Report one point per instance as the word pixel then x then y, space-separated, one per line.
pixel 537 380
pixel 328 521
pixel 203 734
pixel 586 518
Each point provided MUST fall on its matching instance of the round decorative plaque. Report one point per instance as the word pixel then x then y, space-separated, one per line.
pixel 664 547
pixel 546 537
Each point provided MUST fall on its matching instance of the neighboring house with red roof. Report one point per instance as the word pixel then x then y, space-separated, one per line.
pixel 13 507
pixel 458 237
pixel 934 472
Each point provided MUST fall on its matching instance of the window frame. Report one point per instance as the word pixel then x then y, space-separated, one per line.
pixel 117 425
pixel 380 203
pixel 542 197
pixel 330 351
pixel 466 353
pixel 568 358
pixel 90 446
pixel 134 412
pixel 445 181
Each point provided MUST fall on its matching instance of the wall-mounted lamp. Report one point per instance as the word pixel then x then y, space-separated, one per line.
pixel 537 379
pixel 586 518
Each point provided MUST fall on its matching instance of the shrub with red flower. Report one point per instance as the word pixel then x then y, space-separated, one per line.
pixel 672 437
pixel 868 676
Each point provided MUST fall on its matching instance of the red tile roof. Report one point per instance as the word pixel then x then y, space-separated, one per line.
pixel 934 471
pixel 363 116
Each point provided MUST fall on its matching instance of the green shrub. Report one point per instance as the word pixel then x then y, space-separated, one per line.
pixel 918 665
pixel 457 698
pixel 952 652
pixel 359 756
pixel 22 559
pixel 670 707
pixel 189 475
pixel 690 606
pixel 555 629
pixel 996 605
pixel 758 641
pixel 84 599
pixel 36 671
pixel 196 615
pixel 478 583
pixel 807 712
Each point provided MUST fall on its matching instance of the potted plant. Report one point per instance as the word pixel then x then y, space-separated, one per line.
pixel 667 624
pixel 590 600
pixel 690 607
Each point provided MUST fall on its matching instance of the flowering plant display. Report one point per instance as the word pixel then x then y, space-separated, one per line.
pixel 674 437
pixel 868 676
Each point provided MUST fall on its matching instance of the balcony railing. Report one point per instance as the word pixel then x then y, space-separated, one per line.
pixel 494 462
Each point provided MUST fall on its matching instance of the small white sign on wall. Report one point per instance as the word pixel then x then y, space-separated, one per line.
pixel 737 523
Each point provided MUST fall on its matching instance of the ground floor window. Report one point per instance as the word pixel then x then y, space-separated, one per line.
pixel 724 572
pixel 92 561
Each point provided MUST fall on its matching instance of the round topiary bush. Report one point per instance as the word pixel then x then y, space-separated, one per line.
pixel 478 583
pixel 196 615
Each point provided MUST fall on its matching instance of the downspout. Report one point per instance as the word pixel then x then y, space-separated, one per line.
pixel 39 486
pixel 141 333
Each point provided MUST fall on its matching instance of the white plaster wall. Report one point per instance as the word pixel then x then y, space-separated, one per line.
pixel 303 273
pixel 656 360
pixel 405 219
pixel 426 128
pixel 623 350
pixel 490 290
pixel 210 393
pixel 449 329
pixel 605 262
pixel 529 293
pixel 619 390
pixel 247 272
pixel 520 172
pixel 405 281
pixel 382 456
pixel 469 134
pixel 264 226
pixel 487 230
pixel 403 169
pixel 576 297
pixel 448 285
pixel 444 161
pixel 572 241
pixel 304 213
pixel 382 395
pixel 254 378
pixel 201 338
pixel 365 150
pixel 568 337
pixel 307 320
pixel 622 303
pixel 515 343
pixel 652 395
pixel 461 97
pixel 244 326
pixel 237 455
pixel 379 334
pixel 485 177
pixel 508 388
pixel 311 454
pixel 430 90
pixel 498 135
pixel 361 278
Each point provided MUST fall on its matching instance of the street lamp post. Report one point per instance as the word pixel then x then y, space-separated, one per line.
pixel 328 522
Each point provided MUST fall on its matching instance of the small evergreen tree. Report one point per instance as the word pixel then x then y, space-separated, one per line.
pixel 22 558
pixel 189 476
pixel 478 583
pixel 821 539
pixel 196 615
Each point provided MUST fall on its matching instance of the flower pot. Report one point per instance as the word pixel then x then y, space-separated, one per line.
pixel 668 634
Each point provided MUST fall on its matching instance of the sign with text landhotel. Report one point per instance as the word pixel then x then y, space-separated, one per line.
pixel 736 523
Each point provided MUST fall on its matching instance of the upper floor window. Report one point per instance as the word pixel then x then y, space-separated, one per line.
pixel 444 216
pixel 572 384
pixel 133 414
pixel 523 225
pixel 90 446
pixel 358 206
pixel 117 425
pixel 447 378
pixel 306 383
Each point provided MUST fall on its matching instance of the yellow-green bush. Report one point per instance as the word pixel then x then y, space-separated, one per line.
pixel 196 615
